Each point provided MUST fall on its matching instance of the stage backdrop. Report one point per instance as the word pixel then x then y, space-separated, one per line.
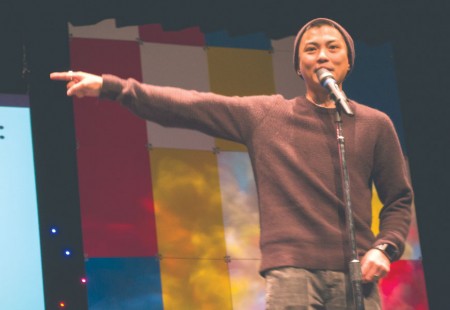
pixel 169 216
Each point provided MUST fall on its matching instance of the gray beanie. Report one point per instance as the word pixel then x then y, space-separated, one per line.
pixel 324 21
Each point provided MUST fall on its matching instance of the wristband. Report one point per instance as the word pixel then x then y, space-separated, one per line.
pixel 389 250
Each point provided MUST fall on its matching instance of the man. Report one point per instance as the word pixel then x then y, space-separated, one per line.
pixel 293 148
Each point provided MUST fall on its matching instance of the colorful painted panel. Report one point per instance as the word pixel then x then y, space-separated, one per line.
pixel 201 284
pixel 172 65
pixel 116 202
pixel 187 204
pixel 241 221
pixel 183 66
pixel 404 287
pixel 247 286
pixel 287 82
pixel 239 72
pixel 106 56
pixel 113 166
pixel 240 205
pixel 124 283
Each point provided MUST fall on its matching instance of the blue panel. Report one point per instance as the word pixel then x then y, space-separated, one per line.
pixel 22 280
pixel 373 82
pixel 124 283
pixel 256 41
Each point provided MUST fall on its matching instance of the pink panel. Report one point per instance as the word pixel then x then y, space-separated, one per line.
pixel 404 287
pixel 113 162
pixel 155 33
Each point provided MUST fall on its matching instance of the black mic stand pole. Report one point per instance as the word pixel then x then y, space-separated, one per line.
pixel 354 264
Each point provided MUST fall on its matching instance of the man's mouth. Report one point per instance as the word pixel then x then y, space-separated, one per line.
pixel 318 68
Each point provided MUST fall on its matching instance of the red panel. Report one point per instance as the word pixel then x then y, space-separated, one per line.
pixel 106 56
pixel 155 33
pixel 116 202
pixel 404 287
pixel 113 162
pixel 97 122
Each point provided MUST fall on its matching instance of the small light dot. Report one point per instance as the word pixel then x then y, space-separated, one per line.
pixel 83 280
pixel 53 230
pixel 67 252
pixel 62 304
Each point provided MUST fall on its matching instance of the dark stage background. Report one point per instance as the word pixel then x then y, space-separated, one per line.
pixel 34 40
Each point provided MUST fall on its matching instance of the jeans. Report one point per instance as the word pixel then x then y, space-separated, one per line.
pixel 290 288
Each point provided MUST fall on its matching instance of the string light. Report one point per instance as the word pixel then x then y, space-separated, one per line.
pixel 66 252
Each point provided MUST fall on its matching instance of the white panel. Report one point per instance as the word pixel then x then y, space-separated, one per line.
pixel 287 83
pixel 179 66
pixel 239 205
pixel 163 137
pixel 247 285
pixel 284 45
pixel 105 29
pixel 175 65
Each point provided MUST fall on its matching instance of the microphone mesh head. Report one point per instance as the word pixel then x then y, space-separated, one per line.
pixel 323 74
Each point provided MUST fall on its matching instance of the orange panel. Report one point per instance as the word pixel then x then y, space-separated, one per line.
pixel 187 202
pixel 195 284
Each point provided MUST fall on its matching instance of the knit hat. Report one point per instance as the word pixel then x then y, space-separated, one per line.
pixel 320 21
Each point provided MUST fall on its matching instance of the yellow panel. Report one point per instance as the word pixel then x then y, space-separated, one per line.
pixel 195 284
pixel 187 201
pixel 239 72
pixel 412 245
pixel 376 208
pixel 226 145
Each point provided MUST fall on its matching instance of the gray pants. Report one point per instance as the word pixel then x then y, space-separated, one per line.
pixel 291 288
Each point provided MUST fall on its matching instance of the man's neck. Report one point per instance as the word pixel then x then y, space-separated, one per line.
pixel 321 99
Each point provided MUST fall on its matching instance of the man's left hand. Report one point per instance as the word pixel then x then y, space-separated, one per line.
pixel 374 266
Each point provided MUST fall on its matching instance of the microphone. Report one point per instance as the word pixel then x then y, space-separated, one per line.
pixel 327 81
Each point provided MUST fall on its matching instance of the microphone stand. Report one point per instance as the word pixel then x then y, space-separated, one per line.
pixel 354 264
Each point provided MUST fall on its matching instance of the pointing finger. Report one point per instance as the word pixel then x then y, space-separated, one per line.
pixel 61 76
pixel 68 75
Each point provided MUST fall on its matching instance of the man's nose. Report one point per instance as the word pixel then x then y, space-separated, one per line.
pixel 323 54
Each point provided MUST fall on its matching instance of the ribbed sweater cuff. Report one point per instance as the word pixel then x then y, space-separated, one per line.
pixel 112 87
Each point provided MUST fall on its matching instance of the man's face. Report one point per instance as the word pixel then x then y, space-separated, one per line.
pixel 322 47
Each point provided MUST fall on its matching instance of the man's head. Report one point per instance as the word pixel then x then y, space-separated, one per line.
pixel 317 45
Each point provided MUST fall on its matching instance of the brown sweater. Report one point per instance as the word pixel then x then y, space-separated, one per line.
pixel 293 150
